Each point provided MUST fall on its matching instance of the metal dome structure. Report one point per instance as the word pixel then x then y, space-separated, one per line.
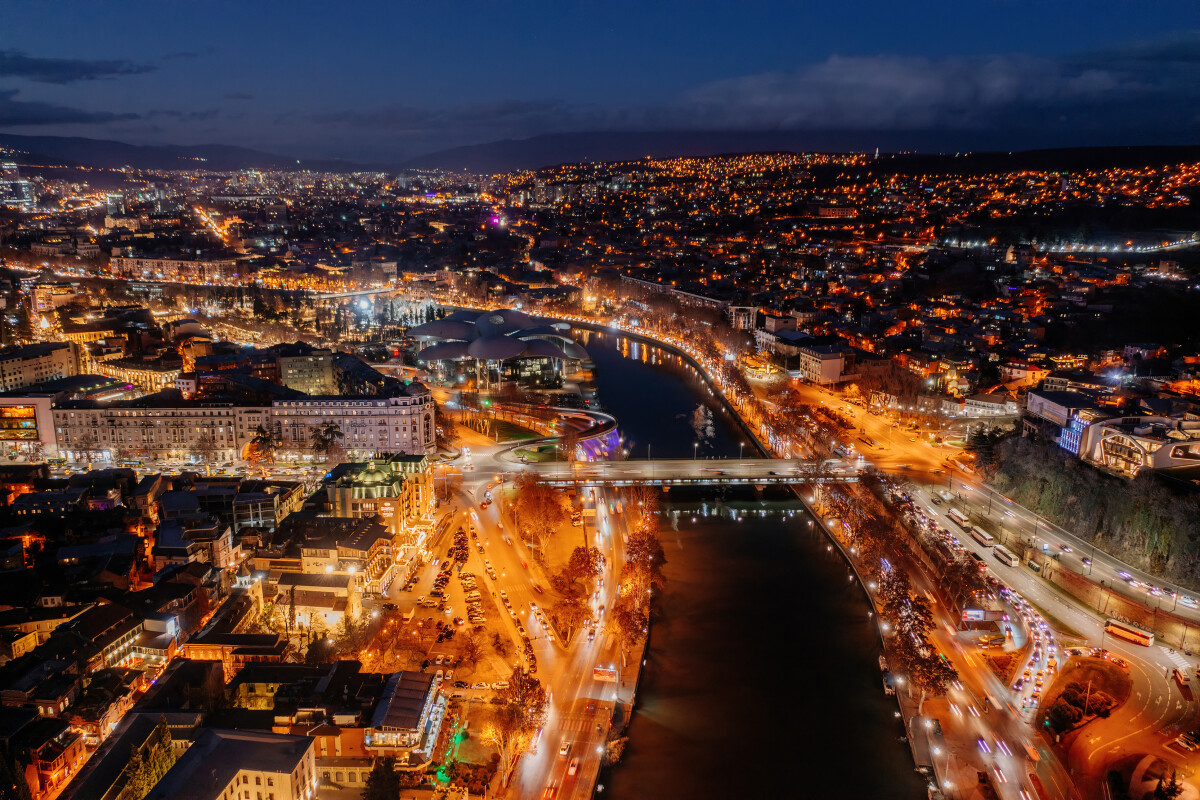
pixel 492 339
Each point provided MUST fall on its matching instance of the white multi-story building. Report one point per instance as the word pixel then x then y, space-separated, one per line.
pixel 167 427
pixel 197 270
pixel 242 765
pixel 822 364
pixel 89 432
pixel 369 425
pixel 35 363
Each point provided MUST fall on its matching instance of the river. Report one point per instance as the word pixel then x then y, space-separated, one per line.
pixel 762 677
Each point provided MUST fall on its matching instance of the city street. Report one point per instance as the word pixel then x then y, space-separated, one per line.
pixel 1156 704
pixel 581 705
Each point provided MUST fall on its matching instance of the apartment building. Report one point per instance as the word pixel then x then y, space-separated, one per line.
pixel 182 270
pixel 35 363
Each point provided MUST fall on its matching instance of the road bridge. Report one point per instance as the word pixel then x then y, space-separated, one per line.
pixel 697 472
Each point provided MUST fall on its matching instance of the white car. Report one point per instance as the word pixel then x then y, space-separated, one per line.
pixel 498 685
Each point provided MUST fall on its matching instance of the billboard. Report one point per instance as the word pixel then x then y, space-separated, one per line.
pixel 605 674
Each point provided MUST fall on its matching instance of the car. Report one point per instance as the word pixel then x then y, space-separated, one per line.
pixel 1187 601
pixel 460 684
pixel 550 793
pixel 564 750
pixel 503 595
pixel 479 686
pixel 439 676
pixel 439 660
pixel 449 673
pixel 499 685
pixel 574 767
pixel 1066 548
pixel 1087 562
pixel 1125 576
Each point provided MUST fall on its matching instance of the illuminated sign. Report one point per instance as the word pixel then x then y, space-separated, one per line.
pixel 605 674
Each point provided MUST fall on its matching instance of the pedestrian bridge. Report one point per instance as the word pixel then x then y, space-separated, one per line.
pixel 697 472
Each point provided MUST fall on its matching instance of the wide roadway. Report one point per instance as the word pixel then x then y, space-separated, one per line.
pixel 1156 702
pixel 580 705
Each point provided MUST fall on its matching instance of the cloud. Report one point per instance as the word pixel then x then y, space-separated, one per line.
pixel 239 96
pixel 184 116
pixel 189 54
pixel 1148 88
pixel 15 64
pixel 16 113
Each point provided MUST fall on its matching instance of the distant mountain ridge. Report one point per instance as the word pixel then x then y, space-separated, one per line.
pixel 77 150
pixel 563 148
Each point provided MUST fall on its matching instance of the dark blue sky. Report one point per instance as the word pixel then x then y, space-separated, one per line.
pixel 372 81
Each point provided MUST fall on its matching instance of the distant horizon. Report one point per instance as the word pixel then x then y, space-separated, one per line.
pixel 393 82
pixel 513 154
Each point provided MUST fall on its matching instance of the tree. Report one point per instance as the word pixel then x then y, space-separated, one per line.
pixel 982 444
pixel 933 673
pixel 569 614
pixel 629 622
pixel 641 510
pixel 205 447
pixel 325 440
pixel 538 508
pixel 291 611
pixel 383 783
pixel 262 445
pixel 514 722
pixel 568 444
pixel 1168 788
pixel 472 647
pixel 644 562
pixel 446 432
pixel 583 567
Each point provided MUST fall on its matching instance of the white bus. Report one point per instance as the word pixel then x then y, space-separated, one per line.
pixel 958 517
pixel 982 536
pixel 1130 633
pixel 1005 556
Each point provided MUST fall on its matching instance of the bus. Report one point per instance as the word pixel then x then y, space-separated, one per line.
pixel 982 536
pixel 958 517
pixel 1005 556
pixel 979 562
pixel 1130 633
pixel 1181 678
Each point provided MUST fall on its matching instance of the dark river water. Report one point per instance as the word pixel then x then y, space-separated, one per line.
pixel 762 677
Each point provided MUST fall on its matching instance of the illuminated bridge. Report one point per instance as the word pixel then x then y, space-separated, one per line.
pixel 698 472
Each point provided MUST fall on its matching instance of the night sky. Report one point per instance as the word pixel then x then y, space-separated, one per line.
pixel 387 81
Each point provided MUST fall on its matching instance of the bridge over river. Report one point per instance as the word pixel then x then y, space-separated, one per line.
pixel 697 472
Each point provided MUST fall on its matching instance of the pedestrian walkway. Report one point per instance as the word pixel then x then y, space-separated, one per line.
pixel 1176 658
